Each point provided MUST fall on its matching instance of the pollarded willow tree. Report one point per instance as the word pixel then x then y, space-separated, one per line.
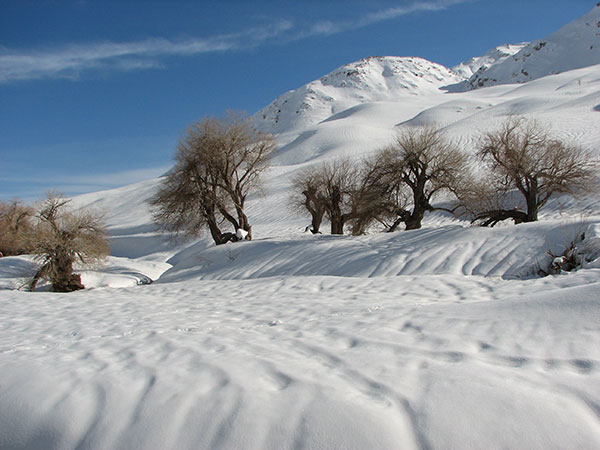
pixel 217 165
pixel 329 189
pixel 396 186
pixel 308 194
pixel 523 156
pixel 338 183
pixel 419 164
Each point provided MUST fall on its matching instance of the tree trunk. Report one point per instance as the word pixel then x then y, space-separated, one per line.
pixel 413 221
pixel 213 226
pixel 402 214
pixel 491 218
pixel 316 210
pixel 317 218
pixel 335 212
pixel 421 204
pixel 62 277
pixel 36 278
pixel 244 223
pixel 337 221
pixel 532 208
pixel 215 232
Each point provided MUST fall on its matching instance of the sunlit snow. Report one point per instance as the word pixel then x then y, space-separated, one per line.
pixel 443 337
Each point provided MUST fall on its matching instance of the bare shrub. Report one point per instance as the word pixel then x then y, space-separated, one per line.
pixel 61 237
pixel 217 164
pixel 15 223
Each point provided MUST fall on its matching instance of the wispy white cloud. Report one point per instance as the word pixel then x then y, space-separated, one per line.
pixel 328 27
pixel 392 13
pixel 72 60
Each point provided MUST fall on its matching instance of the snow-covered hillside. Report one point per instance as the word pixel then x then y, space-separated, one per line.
pixel 443 337
pixel 368 80
pixel 575 45
pixel 467 69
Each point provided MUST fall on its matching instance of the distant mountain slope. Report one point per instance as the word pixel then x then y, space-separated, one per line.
pixel 371 79
pixel 467 69
pixel 574 46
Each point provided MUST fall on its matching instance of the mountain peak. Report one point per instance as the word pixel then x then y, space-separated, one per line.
pixel 376 78
pixel 467 69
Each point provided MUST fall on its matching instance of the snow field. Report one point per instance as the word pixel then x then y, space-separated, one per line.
pixel 305 362
pixel 435 338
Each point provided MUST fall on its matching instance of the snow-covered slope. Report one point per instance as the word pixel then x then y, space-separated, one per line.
pixel 368 80
pixel 441 250
pixel 466 69
pixel 575 45
pixel 318 362
pixel 428 339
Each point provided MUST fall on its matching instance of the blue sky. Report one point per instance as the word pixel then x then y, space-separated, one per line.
pixel 95 94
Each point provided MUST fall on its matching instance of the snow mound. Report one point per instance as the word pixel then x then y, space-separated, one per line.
pixel 507 252
pixel 574 46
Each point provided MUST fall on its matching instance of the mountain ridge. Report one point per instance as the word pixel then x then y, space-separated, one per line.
pixel 376 78
pixel 393 78
pixel 573 46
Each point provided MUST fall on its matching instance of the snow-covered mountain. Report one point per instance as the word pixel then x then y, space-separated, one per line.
pixel 467 69
pixel 390 78
pixel 575 45
pixel 371 79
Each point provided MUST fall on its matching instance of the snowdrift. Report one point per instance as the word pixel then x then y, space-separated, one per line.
pixel 507 252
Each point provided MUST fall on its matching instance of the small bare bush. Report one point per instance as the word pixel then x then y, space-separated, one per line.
pixel 60 238
pixel 15 224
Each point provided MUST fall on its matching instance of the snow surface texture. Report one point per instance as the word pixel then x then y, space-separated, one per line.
pixel 429 339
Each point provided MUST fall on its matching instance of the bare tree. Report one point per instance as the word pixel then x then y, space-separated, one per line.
pixel 217 165
pixel 338 183
pixel 523 156
pixel 188 200
pixel 327 189
pixel 15 223
pixel 308 194
pixel 375 198
pixel 62 237
pixel 424 162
